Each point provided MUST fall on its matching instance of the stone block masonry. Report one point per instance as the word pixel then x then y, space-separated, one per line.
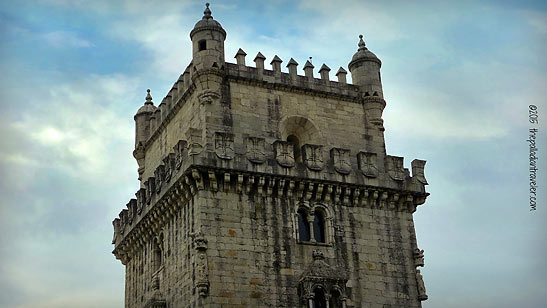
pixel 261 188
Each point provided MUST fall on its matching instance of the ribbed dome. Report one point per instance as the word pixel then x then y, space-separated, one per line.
pixel 148 106
pixel 363 54
pixel 207 23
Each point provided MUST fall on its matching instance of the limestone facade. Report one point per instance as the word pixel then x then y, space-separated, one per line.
pixel 261 188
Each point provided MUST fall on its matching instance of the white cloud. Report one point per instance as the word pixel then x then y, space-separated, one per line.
pixel 78 127
pixel 66 39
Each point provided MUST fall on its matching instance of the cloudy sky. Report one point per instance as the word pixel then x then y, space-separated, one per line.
pixel 458 79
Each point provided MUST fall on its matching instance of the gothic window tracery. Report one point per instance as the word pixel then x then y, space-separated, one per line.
pixel 313 224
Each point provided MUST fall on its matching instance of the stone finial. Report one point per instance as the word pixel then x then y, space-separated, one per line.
pixel 341 74
pixel 292 68
pixel 308 69
pixel 259 61
pixel 276 64
pixel 361 44
pixel 148 98
pixel 324 72
pixel 240 57
pixel 207 12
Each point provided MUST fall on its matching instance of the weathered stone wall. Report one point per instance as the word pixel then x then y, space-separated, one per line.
pixel 255 260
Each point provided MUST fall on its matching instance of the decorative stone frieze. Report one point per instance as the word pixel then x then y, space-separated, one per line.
pixel 312 155
pixel 368 164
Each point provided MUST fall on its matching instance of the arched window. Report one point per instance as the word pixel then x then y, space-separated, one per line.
pixel 334 301
pixel 319 227
pixel 319 300
pixel 202 45
pixel 303 226
pixel 296 145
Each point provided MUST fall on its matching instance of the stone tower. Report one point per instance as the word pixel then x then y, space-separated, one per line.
pixel 264 188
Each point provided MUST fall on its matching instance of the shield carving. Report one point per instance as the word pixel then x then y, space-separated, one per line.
pixel 340 160
pixel 395 167
pixel 368 164
pixel 313 156
pixel 284 153
pixel 224 145
pixel 255 150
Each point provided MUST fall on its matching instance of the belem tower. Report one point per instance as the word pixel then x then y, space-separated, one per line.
pixel 261 187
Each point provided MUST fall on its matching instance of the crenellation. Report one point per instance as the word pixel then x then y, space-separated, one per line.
pixel 263 188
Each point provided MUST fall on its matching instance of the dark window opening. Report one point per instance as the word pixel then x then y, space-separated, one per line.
pixel 303 226
pixel 296 145
pixel 379 77
pixel 319 300
pixel 319 227
pixel 335 301
pixel 202 45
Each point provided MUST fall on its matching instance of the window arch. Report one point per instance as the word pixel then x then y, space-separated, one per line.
pixel 319 298
pixel 313 223
pixel 296 146
pixel 303 226
pixel 319 227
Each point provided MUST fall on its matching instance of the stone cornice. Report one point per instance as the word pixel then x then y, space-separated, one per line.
pixel 132 233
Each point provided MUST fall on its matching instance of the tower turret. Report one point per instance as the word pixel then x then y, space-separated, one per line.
pixel 143 129
pixel 365 70
pixel 142 120
pixel 207 42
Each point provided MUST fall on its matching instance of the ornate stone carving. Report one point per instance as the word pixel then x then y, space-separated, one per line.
pixel 255 150
pixel 321 274
pixel 284 153
pixel 418 167
pixel 313 156
pixel 123 221
pixel 224 145
pixel 150 188
pixel 159 175
pixel 421 286
pixel 169 163
pixel 395 167
pixel 116 225
pixel 131 210
pixel 368 164
pixel 202 269
pixel 419 257
pixel 180 153
pixel 207 96
pixel 141 200
pixel 340 160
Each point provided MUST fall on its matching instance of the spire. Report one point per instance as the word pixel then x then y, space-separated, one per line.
pixel 361 44
pixel 207 12
pixel 148 98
